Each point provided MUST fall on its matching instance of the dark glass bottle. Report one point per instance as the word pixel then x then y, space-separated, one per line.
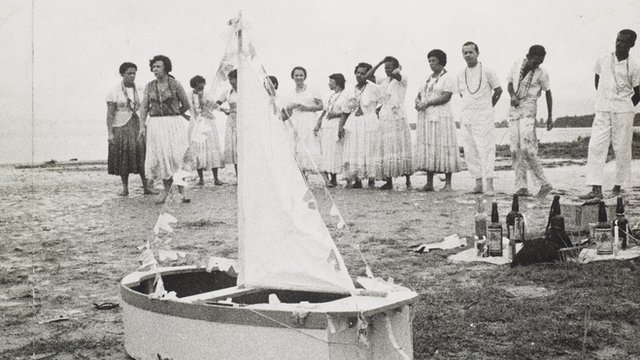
pixel 623 224
pixel 556 220
pixel 494 232
pixel 515 222
pixel 603 233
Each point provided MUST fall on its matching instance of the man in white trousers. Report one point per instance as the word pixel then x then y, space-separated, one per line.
pixel 527 80
pixel 617 82
pixel 480 90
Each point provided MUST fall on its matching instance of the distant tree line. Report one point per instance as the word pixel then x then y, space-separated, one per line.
pixel 578 121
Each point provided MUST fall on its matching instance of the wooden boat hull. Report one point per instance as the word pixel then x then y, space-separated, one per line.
pixel 212 319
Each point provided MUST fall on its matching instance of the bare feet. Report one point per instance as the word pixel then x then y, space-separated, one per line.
pixel 123 193
pixel 446 188
pixel 149 191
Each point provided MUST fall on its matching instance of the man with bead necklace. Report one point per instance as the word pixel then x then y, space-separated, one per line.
pixel 527 80
pixel 617 82
pixel 480 90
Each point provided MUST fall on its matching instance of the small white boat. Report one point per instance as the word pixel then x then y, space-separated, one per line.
pixel 289 296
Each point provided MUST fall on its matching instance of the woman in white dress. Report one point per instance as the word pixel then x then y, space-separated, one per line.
pixel 395 135
pixel 231 133
pixel 166 103
pixel 203 134
pixel 301 105
pixel 360 129
pixel 436 143
pixel 327 126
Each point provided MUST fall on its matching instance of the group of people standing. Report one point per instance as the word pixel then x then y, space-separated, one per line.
pixel 363 131
pixel 151 134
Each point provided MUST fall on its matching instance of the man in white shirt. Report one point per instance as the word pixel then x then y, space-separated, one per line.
pixel 527 80
pixel 480 90
pixel 617 82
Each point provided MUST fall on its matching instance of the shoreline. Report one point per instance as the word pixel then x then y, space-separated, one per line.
pixel 557 151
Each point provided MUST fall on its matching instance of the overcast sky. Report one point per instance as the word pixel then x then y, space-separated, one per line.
pixel 79 45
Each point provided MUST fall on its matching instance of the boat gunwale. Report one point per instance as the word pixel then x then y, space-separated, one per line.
pixel 314 318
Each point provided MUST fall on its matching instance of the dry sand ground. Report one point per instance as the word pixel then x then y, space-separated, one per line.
pixel 67 239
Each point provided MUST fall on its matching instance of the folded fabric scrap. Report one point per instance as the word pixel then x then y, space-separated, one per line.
pixel 591 254
pixel 449 242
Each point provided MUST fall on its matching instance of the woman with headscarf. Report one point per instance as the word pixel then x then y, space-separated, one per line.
pixel 436 142
pixel 126 150
pixel 203 132
pixel 166 103
pixel 395 135
pixel 327 127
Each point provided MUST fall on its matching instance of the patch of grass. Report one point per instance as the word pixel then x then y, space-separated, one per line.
pixel 60 346
pixel 487 322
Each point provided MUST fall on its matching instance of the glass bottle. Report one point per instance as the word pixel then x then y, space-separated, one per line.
pixel 603 232
pixel 515 222
pixel 494 232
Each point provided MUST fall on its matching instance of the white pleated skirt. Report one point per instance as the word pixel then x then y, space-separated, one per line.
pixel 167 144
pixel 208 153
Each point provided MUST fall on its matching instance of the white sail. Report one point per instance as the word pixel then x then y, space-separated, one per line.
pixel 283 241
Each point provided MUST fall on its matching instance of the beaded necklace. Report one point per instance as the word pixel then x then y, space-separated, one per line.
pixel 198 104
pixel 332 100
pixel 466 83
pixel 136 104
pixel 430 87
pixel 521 77
pixel 613 71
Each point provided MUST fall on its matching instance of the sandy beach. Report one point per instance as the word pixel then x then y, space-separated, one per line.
pixel 67 239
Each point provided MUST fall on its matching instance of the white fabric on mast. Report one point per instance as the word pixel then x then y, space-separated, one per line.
pixel 283 241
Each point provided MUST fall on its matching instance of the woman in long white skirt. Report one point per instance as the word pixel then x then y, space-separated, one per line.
pixel 327 127
pixel 166 102
pixel 302 105
pixel 203 133
pixel 395 133
pixel 436 143
pixel 360 129
pixel 231 133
